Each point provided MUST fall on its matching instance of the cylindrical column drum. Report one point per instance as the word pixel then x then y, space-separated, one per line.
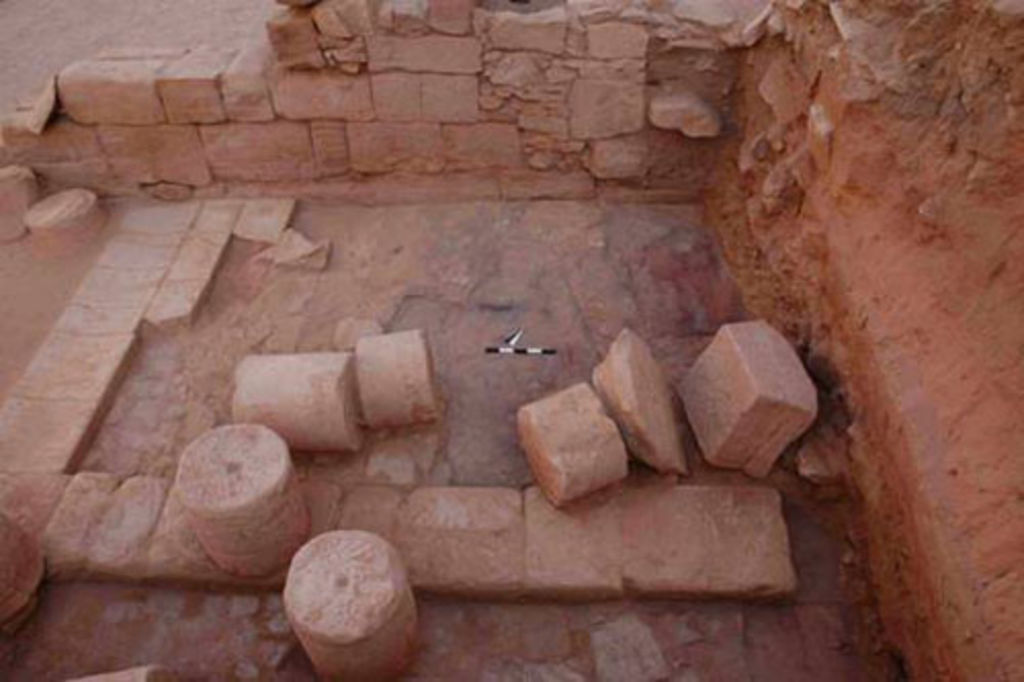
pixel 21 569
pixel 396 379
pixel 73 210
pixel 309 399
pixel 348 599
pixel 242 498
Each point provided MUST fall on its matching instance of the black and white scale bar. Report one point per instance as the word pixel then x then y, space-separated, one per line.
pixel 509 350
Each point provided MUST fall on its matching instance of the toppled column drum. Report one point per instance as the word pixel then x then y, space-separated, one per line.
pixel 396 379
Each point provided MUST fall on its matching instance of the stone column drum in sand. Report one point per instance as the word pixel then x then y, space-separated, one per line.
pixel 348 599
pixel 396 379
pixel 310 400
pixel 242 499
pixel 73 210
pixel 21 570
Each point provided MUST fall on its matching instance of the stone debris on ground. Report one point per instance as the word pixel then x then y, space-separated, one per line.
pixel 293 250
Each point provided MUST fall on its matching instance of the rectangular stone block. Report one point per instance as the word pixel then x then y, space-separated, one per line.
pixel 373 509
pixel 305 95
pixel 330 147
pixel 259 152
pixel 605 108
pixel 72 368
pixel 149 254
pixel 106 287
pixel 189 86
pixel 543 31
pixel 244 86
pixel 346 18
pixel 122 91
pixel 705 541
pixel 149 154
pixel 449 99
pixel 293 37
pixel 616 40
pixel 431 54
pixel 62 141
pixel 118 543
pixel 66 539
pixel 44 435
pixel 466 541
pixel 386 147
pixel 575 552
pixel 396 97
pixel 618 158
pixel 99 320
pixel 451 16
pixel 483 145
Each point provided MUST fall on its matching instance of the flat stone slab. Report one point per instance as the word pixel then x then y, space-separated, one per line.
pixel 264 220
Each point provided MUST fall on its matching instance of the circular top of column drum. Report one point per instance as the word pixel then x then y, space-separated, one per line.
pixel 230 469
pixel 344 586
pixel 61 211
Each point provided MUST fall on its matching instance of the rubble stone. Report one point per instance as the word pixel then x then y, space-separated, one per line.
pixel 542 31
pixel 747 397
pixel 325 94
pixel 634 387
pixel 685 112
pixel 122 91
pixel 149 154
pixel 467 541
pixel 432 54
pixel 573 447
pixel 618 158
pixel 605 108
pixel 616 40
pixel 310 400
pixel 189 87
pixel 18 191
pixel 242 498
pixel 397 386
pixel 21 569
pixel 348 599
pixel 385 147
pixel 260 152
pixel 244 85
pixel 349 330
pixel 70 210
pixel 346 18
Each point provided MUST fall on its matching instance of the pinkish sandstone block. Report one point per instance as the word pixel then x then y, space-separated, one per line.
pixel 747 397
pixel 71 368
pixel 705 541
pixel 18 191
pixel 396 96
pixel 293 37
pixel 21 569
pixel 189 86
pixel 637 393
pixel 149 154
pixel 350 329
pixel 685 112
pixel 372 508
pixel 385 147
pixel 66 539
pixel 118 543
pixel 122 91
pixel 71 211
pixel 467 541
pixel 449 99
pixel 616 40
pixel 31 114
pixel 451 16
pixel 45 435
pixel 330 147
pixel 573 447
pixel 431 54
pixel 530 184
pixel 244 86
pixel 482 145
pixel 264 220
pixel 605 108
pixel 575 552
pixel 305 95
pixel 397 386
pixel 259 152
pixel 543 31
pixel 346 18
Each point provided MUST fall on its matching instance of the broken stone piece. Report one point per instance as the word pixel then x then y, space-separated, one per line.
pixel 617 40
pixel 264 220
pixel 242 498
pixel 18 191
pixel 351 329
pixel 573 447
pixel 634 388
pixel 348 599
pixel 32 113
pixel 685 112
pixel 70 210
pixel 310 400
pixel 21 569
pixel 293 250
pixel 149 673
pixel 397 386
pixel 822 461
pixel 747 397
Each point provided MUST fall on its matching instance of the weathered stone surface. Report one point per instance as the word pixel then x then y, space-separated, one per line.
pixel 64 141
pixel 618 158
pixel 467 541
pixel 346 18
pixel 293 36
pixel 408 97
pixel 575 552
pixel 625 650
pixel 348 598
pixel 310 400
pixel 264 220
pixel 175 554
pixel 483 145
pixel 189 87
pixel 384 147
pixel 705 541
pixel 637 393
pixel 70 368
pixel 330 147
pixel 616 40
pixel 326 94
pixel 29 499
pixel 396 96
pixel 44 435
pixel 822 461
pixel 407 17
pixel 350 329
pixel 748 397
pixel 122 91
pixel 605 108
pixel 573 447
pixel 66 539
pixel 685 112
pixel 18 191
pixel 542 31
pixel 260 152
pixel 31 114
pixel 293 250
pixel 21 569
pixel 118 543
pixel 451 16
pixel 244 85
pixel 243 500
pixel 432 54
pixel 76 210
pixel 149 673
pixel 785 90
pixel 529 184
pixel 397 386
pixel 373 509
pixel 148 154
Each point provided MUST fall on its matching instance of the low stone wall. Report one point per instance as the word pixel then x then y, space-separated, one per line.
pixel 551 103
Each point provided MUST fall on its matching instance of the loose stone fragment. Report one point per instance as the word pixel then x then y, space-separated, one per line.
pixel 70 210
pixel 572 445
pixel 149 673
pixel 397 386
pixel 31 114
pixel 348 599
pixel 242 498
pixel 21 569
pixel 636 392
pixel 310 399
pixel 747 397
pixel 349 330
pixel 264 220
pixel 18 191
pixel 685 112
pixel 293 250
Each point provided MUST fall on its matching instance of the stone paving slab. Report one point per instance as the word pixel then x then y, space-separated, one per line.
pixel 41 435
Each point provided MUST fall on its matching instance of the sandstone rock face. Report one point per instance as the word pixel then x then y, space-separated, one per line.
pixel 397 386
pixel 112 91
pixel 21 569
pixel 242 497
pixel 684 541
pixel 149 673
pixel 747 397
pixel 349 330
pixel 685 112
pixel 634 387
pixel 75 210
pixel 605 108
pixel 349 601
pixel 463 540
pixel 310 400
pixel 18 191
pixel 573 447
